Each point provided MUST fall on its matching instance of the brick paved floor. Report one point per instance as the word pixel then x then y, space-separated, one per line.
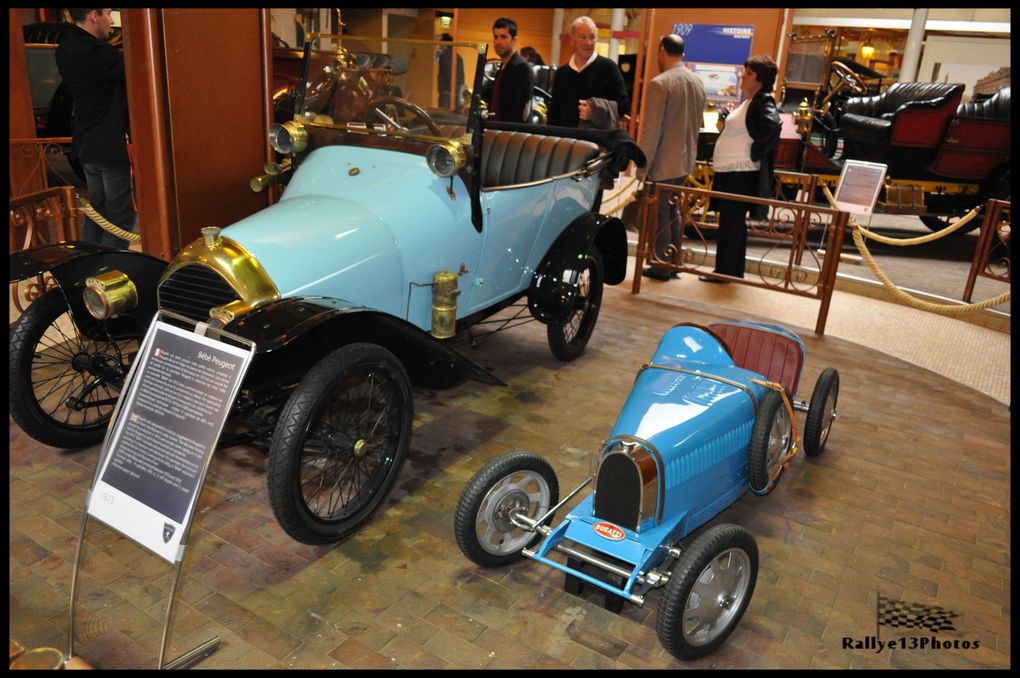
pixel 911 500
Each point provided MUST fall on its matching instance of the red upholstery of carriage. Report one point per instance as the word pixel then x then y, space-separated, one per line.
pixel 775 356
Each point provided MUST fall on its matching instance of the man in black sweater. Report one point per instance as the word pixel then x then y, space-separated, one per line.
pixel 94 71
pixel 584 77
pixel 511 92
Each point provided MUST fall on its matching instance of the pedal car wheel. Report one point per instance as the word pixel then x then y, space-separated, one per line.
pixel 340 442
pixel 708 591
pixel 821 412
pixel 517 482
pixel 771 440
pixel 567 339
pixel 54 370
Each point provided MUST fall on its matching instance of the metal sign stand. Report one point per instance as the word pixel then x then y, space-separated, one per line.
pixel 205 649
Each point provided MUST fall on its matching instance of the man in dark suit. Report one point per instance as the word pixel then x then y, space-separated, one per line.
pixel 94 72
pixel 511 93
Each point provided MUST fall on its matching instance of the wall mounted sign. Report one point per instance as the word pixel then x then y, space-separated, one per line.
pixel 716 54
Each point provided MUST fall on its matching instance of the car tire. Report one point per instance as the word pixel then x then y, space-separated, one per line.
pixel 821 412
pixel 346 427
pixel 51 361
pixel 771 440
pixel 708 591
pixel 568 339
pixel 481 522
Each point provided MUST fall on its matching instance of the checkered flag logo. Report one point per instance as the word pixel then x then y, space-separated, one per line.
pixel 901 614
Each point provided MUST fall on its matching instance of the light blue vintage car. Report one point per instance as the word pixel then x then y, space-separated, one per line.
pixel 709 418
pixel 400 227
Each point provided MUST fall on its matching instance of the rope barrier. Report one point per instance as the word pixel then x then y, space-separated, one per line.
pixel 858 233
pixel 95 216
pixel 910 300
pixel 921 239
pixel 628 201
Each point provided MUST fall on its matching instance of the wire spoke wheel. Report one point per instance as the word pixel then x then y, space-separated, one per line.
pixel 568 338
pixel 64 385
pixel 340 444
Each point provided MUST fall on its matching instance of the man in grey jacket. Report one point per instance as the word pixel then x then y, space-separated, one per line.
pixel 674 104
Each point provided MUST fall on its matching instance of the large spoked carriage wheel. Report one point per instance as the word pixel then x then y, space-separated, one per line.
pixel 771 441
pixel 339 444
pixel 517 482
pixel 708 592
pixel 63 385
pixel 821 412
pixel 568 339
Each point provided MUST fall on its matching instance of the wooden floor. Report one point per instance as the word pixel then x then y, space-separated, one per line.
pixel 910 501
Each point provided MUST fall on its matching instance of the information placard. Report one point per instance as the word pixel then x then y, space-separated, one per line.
pixel 167 425
pixel 859 185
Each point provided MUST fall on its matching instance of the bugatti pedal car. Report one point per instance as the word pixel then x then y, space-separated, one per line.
pixel 709 417
pixel 395 240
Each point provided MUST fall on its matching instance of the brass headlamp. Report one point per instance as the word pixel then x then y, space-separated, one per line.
pixel 290 137
pixel 109 294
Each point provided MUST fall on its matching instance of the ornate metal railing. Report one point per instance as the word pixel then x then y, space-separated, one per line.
pixel 781 268
pixel 992 254
pixel 40 218
pixel 30 157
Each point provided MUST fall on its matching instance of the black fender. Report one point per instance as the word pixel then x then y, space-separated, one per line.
pixel 293 334
pixel 554 283
pixel 71 263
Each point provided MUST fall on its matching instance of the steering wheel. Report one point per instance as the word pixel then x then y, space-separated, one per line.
pixel 849 78
pixel 398 113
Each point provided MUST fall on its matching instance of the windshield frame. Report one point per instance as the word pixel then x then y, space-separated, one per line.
pixel 342 55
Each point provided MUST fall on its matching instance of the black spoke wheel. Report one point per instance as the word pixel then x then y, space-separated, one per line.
pixel 708 591
pixel 519 482
pixel 567 339
pixel 340 443
pixel 63 385
pixel 821 412
pixel 771 441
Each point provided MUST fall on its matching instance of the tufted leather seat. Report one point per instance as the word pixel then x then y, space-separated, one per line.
pixel 775 356
pixel 913 114
pixel 510 158
pixel 996 107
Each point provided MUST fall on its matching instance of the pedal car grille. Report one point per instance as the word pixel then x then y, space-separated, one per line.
pixel 618 491
pixel 192 290
pixel 628 484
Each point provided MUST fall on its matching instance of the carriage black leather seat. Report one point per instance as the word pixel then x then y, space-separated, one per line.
pixel 911 114
pixel 510 158
pixel 995 107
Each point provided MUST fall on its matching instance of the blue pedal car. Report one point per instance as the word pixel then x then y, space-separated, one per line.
pixel 709 417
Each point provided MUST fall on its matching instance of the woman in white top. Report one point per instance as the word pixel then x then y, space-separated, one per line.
pixel 743 161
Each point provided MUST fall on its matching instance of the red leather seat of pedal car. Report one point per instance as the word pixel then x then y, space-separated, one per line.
pixel 775 356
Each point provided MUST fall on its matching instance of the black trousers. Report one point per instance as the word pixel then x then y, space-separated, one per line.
pixel 731 247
